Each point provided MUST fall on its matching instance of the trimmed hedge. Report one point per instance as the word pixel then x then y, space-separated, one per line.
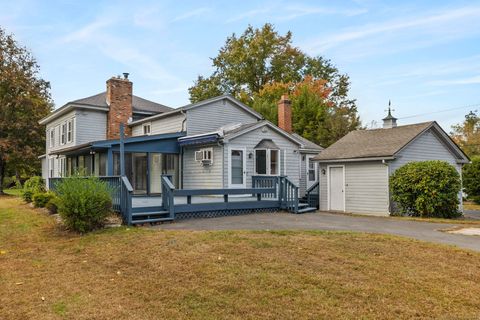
pixel 83 202
pixel 427 189
pixel 471 179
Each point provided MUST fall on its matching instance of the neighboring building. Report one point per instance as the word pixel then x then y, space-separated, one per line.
pixel 355 171
pixel 216 143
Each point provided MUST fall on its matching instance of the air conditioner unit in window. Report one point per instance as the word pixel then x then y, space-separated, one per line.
pixel 207 162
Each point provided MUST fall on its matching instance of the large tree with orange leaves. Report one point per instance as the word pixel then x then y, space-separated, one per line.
pixel 260 65
pixel 316 116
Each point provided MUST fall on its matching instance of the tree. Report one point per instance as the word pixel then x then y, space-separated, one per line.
pixel 24 100
pixel 467 134
pixel 261 65
pixel 315 116
pixel 245 64
pixel 471 179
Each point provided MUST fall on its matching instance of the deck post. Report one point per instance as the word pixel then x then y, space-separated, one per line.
pixel 280 192
pixel 122 149
pixel 225 198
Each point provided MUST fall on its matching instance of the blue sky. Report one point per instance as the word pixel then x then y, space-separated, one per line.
pixel 423 55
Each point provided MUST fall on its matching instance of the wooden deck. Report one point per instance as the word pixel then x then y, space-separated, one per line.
pixel 156 201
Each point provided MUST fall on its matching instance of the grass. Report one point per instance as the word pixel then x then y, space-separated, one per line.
pixel 13 192
pixel 137 273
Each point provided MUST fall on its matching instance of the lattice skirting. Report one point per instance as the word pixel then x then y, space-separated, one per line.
pixel 221 213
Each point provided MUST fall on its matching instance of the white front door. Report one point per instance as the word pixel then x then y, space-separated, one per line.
pixel 236 167
pixel 336 187
pixel 312 173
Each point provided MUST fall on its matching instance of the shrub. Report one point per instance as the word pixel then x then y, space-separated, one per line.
pixel 52 206
pixel 40 199
pixel 427 189
pixel 32 186
pixel 471 179
pixel 83 202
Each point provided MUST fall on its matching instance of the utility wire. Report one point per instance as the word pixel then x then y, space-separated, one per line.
pixel 440 111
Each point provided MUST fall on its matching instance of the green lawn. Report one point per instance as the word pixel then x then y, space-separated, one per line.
pixel 13 192
pixel 138 273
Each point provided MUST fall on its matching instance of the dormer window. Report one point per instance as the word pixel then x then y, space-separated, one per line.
pixel 146 129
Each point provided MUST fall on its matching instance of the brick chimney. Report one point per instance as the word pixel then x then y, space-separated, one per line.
pixel 285 114
pixel 119 98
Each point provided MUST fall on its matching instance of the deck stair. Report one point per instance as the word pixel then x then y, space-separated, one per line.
pixel 142 215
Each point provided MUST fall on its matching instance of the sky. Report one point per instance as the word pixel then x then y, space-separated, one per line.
pixel 424 56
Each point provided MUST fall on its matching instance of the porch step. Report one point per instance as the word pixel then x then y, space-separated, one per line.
pixel 307 209
pixel 149 213
pixel 151 220
pixel 302 205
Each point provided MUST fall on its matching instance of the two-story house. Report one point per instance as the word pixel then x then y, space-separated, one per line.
pixel 216 143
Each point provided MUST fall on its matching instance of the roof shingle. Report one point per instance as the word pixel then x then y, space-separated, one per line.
pixel 373 143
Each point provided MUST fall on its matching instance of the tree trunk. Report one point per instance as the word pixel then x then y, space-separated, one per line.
pixel 3 165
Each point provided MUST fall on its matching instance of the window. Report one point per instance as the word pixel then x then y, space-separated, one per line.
pixel 100 164
pixel 311 171
pixel 52 137
pixel 204 155
pixel 52 167
pixel 146 129
pixel 267 161
pixel 70 130
pixel 62 167
pixel 63 133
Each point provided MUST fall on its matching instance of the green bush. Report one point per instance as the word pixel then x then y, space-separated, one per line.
pixel 471 179
pixel 83 202
pixel 52 206
pixel 32 186
pixel 427 189
pixel 40 199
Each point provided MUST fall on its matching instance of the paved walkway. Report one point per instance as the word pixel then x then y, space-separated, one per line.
pixel 327 221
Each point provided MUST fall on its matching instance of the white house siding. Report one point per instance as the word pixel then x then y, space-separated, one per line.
pixel 366 187
pixel 197 176
pixel 56 125
pixel 289 154
pixel 169 124
pixel 90 126
pixel 423 148
pixel 303 175
pixel 211 117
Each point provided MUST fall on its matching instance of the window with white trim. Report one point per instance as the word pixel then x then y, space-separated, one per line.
pixel 69 130
pixel 204 155
pixel 147 129
pixel 52 138
pixel 52 167
pixel 267 162
pixel 63 133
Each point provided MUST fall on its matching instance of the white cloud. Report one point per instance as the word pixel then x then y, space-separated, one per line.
pixel 192 14
pixel 447 23
pixel 457 81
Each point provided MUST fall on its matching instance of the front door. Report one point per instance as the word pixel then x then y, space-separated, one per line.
pixel 236 168
pixel 312 173
pixel 336 189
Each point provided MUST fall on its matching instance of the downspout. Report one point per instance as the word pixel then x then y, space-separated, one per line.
pixel 183 129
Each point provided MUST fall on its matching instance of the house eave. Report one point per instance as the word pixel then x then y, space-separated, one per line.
pixel 67 108
pixel 385 158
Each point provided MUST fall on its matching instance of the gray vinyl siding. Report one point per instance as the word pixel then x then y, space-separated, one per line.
pixel 303 175
pixel 197 176
pixel 366 187
pixel 211 117
pixel 90 126
pixel 288 150
pixel 425 147
pixel 169 124
pixel 322 179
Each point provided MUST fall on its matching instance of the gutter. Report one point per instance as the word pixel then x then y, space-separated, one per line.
pixel 354 159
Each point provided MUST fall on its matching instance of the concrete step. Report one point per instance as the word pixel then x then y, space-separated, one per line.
pixel 151 220
pixel 307 209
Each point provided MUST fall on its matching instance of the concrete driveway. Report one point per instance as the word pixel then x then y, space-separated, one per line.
pixel 329 221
